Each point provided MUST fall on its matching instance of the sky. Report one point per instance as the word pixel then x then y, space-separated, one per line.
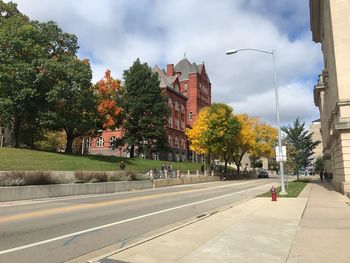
pixel 112 34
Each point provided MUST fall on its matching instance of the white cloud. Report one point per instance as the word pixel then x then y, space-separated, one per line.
pixel 114 33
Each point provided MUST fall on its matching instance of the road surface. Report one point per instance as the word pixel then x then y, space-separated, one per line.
pixel 62 229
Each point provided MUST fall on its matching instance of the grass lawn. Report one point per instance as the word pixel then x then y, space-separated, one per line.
pixel 293 190
pixel 12 159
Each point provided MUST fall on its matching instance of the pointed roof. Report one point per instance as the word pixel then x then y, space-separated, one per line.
pixel 185 67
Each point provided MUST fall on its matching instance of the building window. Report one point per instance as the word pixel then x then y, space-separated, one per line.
pixel 155 156
pixel 177 157
pixel 176 124
pixel 190 116
pixel 176 87
pixel 170 141
pixel 170 123
pixel 112 141
pixel 99 142
pixel 87 143
pixel 170 156
pixel 176 142
pixel 170 103
pixel 186 87
pixel 183 146
pixel 182 108
pixel 176 106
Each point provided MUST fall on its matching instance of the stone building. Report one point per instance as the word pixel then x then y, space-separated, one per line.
pixel 187 90
pixel 330 26
pixel 315 129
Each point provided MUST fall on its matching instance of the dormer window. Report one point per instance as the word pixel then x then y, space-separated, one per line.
pixel 176 87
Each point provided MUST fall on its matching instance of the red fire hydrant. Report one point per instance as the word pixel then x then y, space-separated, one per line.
pixel 273 193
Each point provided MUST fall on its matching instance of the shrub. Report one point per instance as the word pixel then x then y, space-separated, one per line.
pixel 39 178
pixel 90 177
pixel 27 178
pixel 11 179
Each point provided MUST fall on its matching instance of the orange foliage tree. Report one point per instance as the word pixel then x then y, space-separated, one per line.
pixel 108 91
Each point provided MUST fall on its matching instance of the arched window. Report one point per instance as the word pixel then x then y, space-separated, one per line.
pixel 99 142
pixel 170 121
pixel 112 141
pixel 176 106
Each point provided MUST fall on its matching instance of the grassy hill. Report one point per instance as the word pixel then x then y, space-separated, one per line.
pixel 12 159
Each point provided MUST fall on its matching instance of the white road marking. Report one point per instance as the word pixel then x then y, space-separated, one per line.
pixel 57 199
pixel 123 221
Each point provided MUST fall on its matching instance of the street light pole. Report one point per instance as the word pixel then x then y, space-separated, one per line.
pixel 273 53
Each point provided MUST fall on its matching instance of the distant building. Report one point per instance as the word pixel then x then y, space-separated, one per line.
pixel 315 129
pixel 187 90
pixel 330 26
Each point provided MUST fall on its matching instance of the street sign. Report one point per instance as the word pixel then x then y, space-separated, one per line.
pixel 281 157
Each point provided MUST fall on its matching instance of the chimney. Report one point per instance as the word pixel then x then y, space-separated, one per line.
pixel 170 70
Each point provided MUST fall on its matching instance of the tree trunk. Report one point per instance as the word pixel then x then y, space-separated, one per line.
pixel 16 128
pixel 69 144
pixel 225 169
pixel 238 168
pixel 132 151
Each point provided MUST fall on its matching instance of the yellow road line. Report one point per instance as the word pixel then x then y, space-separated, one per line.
pixel 60 210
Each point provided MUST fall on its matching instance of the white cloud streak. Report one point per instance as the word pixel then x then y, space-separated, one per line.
pixel 113 33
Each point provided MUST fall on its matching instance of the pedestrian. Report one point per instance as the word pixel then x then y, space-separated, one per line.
pixel 321 175
pixel 122 166
pixel 202 169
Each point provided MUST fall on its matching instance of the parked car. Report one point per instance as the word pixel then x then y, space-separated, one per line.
pixel 263 174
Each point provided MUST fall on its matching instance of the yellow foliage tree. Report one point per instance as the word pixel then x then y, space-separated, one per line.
pixel 256 138
pixel 214 131
pixel 266 139
pixel 195 135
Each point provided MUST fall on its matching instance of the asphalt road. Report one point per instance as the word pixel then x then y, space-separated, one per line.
pixel 61 229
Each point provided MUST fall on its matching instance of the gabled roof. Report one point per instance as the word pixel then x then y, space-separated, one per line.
pixel 165 81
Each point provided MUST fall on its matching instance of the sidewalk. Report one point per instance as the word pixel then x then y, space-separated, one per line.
pixel 312 228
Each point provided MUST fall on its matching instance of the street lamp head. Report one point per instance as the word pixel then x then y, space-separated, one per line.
pixel 231 51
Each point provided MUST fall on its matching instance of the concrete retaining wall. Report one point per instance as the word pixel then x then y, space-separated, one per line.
pixel 30 192
pixel 45 191
pixel 185 180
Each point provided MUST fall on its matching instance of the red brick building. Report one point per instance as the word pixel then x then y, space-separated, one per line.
pixel 187 89
pixel 195 84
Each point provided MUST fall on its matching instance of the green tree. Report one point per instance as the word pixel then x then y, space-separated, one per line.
pixel 299 146
pixel 144 109
pixel 20 47
pixel 26 49
pixel 72 103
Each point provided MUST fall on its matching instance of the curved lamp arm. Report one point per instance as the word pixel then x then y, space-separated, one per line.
pixel 234 51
